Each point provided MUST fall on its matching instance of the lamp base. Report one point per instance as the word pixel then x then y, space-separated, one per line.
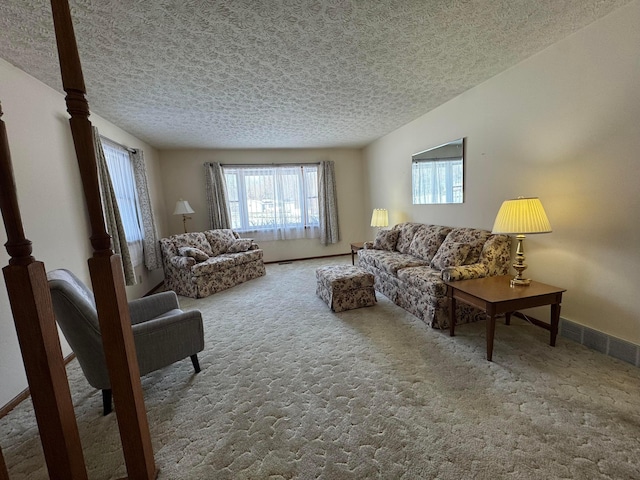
pixel 520 282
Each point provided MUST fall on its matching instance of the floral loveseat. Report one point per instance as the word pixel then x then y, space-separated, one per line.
pixel 412 261
pixel 202 263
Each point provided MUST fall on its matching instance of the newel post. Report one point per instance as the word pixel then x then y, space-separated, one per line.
pixel 105 267
pixel 32 309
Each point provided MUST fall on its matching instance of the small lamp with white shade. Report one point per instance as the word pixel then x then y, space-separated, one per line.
pixel 380 218
pixel 183 208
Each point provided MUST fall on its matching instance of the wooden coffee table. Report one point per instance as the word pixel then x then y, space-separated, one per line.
pixel 494 296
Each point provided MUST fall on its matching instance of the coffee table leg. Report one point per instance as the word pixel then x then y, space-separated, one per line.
pixel 555 320
pixel 491 330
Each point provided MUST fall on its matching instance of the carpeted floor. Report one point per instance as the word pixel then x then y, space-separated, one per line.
pixel 289 389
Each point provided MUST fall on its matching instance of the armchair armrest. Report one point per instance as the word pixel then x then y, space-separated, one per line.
pixel 162 341
pixel 146 308
pixel 465 272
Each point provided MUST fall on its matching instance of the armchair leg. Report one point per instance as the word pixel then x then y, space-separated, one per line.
pixel 196 364
pixel 106 401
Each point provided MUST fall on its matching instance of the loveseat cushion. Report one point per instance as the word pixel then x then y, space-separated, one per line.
pixel 386 240
pixel 241 258
pixel 193 239
pixel 240 245
pixel 426 241
pixel 194 253
pixel 213 265
pixel 220 240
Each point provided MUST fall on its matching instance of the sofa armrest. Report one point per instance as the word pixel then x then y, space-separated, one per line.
pixel 182 262
pixel 465 272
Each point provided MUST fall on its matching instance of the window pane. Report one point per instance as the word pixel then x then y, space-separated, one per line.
pixel 276 199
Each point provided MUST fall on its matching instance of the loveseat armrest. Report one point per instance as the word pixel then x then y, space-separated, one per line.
pixel 465 272
pixel 182 262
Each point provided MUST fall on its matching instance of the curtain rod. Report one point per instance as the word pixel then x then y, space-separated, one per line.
pixel 296 164
pixel 128 149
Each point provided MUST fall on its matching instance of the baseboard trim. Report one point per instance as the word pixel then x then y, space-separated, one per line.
pixel 609 345
pixel 22 396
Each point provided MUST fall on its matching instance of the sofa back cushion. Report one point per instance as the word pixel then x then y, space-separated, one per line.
pixel 386 240
pixel 220 240
pixel 405 236
pixel 473 237
pixel 193 239
pixel 426 241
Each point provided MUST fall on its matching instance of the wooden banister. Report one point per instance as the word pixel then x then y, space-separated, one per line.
pixel 105 267
pixel 32 309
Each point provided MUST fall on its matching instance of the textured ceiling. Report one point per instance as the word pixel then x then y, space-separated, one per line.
pixel 283 73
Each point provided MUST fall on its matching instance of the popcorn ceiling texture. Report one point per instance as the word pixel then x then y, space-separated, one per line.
pixel 284 73
pixel 289 389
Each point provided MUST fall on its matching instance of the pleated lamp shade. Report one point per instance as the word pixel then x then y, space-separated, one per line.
pixel 522 216
pixel 380 218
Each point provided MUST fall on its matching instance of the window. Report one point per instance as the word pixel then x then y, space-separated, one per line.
pixel 121 173
pixel 273 202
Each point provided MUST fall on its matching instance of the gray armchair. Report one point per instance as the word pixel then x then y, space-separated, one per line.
pixel 163 334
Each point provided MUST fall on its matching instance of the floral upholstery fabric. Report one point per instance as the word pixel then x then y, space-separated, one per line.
pixel 451 254
pixel 427 240
pixel 417 286
pixel 192 252
pixel 386 240
pixel 405 236
pixel 218 272
pixel 239 245
pixel 220 240
pixel 195 240
pixel 345 287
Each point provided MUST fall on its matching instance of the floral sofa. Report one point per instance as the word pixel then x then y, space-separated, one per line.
pixel 411 262
pixel 202 263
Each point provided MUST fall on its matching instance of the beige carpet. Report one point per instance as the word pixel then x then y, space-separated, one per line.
pixel 290 390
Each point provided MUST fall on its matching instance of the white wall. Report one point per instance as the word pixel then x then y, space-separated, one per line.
pixel 51 199
pixel 183 177
pixel 564 126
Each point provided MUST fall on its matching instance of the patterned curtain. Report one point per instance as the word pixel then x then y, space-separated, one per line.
pixel 152 258
pixel 216 197
pixel 328 203
pixel 111 212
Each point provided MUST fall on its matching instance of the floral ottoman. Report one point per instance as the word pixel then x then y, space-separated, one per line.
pixel 345 287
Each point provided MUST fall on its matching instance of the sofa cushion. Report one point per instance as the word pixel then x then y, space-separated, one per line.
pixel 391 262
pixel 473 236
pixel 193 252
pixel 425 280
pixel 426 241
pixel 451 254
pixel 240 245
pixel 193 239
pixel 386 240
pixel 220 239
pixel 405 236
